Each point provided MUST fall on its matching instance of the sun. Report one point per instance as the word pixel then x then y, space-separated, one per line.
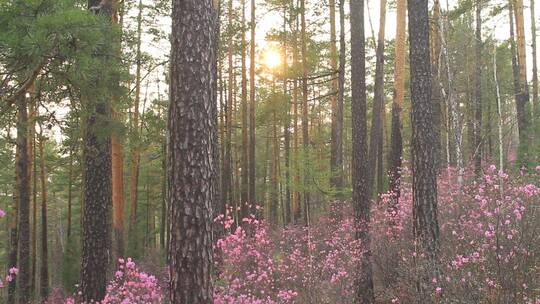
pixel 272 58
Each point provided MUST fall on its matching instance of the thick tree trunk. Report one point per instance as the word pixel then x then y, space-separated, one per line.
pixel 191 165
pixel 360 175
pixel 426 227
pixel 44 270
pixel 396 145
pixel 96 238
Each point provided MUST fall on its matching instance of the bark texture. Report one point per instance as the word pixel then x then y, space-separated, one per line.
pixel 396 140
pixel 96 236
pixel 191 161
pixel 361 198
pixel 425 225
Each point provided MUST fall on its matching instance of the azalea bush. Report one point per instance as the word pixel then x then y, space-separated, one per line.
pixel 294 265
pixel 130 285
pixel 489 241
pixel 490 253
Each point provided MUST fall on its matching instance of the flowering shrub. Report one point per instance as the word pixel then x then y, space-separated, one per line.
pixel 295 265
pixel 489 241
pixel 129 286
pixel 490 252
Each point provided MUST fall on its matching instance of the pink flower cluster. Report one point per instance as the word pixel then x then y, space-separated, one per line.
pixel 12 272
pixel 259 265
pixel 129 286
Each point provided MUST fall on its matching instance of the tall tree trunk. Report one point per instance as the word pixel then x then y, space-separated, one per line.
pixel 376 134
pixel 426 227
pixel 227 185
pixel 117 159
pixel 244 117
pixel 535 101
pixel 13 231
pixel 305 117
pixel 522 98
pixel 70 194
pixel 297 208
pixel 32 173
pixel 287 126
pixel 453 104
pixel 436 83
pixel 478 92
pixel 341 95
pixel 135 153
pixel 252 112
pixel 23 181
pixel 96 238
pixel 336 149
pixel 191 165
pixel 499 110
pixel 44 270
pixel 360 175
pixel 396 145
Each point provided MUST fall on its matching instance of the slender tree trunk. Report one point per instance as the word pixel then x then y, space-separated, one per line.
pixel 244 116
pixel 23 180
pixel 287 126
pixel 117 159
pixel 252 113
pixel 191 165
pixel 436 83
pixel 305 117
pixel 478 92
pixel 453 105
pixel 13 231
pixel 44 270
pixel 336 149
pixel 341 95
pixel 360 175
pixel 396 145
pixel 376 134
pixel 96 238
pixel 499 110
pixel 426 227
pixel 227 184
pixel 522 98
pixel 535 101
pixel 135 153
pixel 32 173
pixel 70 194
pixel 297 209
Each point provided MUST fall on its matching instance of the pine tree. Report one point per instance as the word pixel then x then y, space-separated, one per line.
pixel 192 128
pixel 361 193
pixel 426 227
